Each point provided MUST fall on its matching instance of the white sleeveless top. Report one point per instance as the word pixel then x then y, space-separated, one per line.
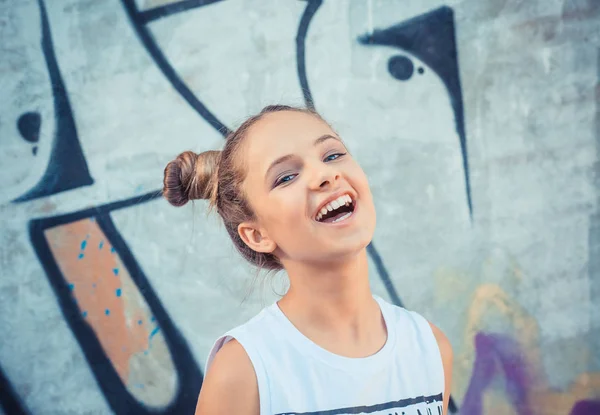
pixel 296 376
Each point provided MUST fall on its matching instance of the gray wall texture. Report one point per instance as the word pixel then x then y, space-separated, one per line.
pixel 476 121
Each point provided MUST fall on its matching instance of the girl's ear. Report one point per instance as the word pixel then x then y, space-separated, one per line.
pixel 257 239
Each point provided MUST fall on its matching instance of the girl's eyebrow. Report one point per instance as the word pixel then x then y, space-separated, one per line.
pixel 277 162
pixel 287 157
pixel 326 137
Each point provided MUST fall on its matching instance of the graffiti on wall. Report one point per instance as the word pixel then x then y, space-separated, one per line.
pixel 515 358
pixel 67 168
pixel 140 359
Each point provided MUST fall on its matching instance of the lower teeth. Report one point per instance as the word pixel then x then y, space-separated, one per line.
pixel 342 217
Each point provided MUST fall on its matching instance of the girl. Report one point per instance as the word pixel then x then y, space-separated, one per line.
pixel 293 198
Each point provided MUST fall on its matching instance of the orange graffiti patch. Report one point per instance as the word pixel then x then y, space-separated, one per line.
pixel 102 289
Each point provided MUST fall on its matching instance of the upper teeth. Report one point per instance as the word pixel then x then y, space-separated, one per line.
pixel 344 200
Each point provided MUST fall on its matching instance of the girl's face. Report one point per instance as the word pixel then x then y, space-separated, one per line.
pixel 298 169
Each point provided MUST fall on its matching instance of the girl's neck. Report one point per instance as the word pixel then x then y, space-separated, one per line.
pixel 331 296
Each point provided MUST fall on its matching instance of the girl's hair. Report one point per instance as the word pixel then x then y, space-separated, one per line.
pixel 218 176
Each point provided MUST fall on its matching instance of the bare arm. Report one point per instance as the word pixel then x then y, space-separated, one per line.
pixel 447 356
pixel 230 386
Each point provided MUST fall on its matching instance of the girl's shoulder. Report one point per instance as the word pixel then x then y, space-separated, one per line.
pixel 230 385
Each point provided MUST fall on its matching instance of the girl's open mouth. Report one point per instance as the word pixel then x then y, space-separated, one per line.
pixel 337 210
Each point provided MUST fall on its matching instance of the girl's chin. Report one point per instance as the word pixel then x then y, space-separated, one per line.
pixel 347 249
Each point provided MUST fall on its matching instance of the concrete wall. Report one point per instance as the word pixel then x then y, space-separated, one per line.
pixel 476 121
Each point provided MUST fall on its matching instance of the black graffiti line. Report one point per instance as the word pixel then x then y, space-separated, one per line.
pixel 307 16
pixel 52 221
pixel 109 381
pixel 439 52
pixel 452 407
pixel 163 64
pixel 402 403
pixel 383 274
pixel 9 400
pixel 156 13
pixel 67 168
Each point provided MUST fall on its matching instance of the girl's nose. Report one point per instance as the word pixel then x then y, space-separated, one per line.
pixel 325 177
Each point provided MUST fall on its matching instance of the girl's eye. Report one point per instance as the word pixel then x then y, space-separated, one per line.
pixel 334 156
pixel 285 179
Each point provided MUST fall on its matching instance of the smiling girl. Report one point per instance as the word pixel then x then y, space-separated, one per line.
pixel 292 197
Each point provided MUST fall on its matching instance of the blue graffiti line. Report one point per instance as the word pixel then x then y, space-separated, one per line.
pixel 156 330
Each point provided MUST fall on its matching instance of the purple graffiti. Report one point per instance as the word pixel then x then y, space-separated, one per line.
pixel 497 355
pixel 586 408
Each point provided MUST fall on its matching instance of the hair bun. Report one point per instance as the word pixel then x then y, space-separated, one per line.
pixel 191 176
